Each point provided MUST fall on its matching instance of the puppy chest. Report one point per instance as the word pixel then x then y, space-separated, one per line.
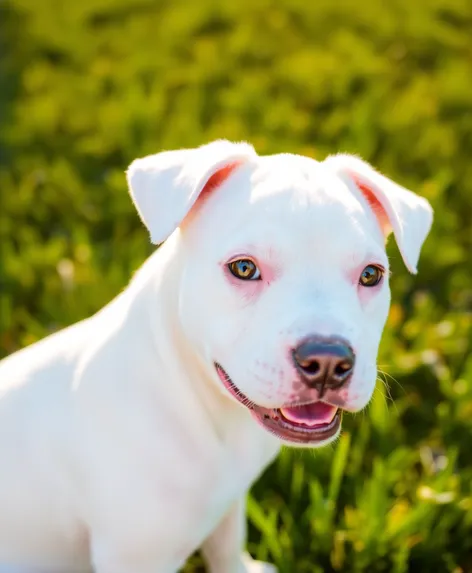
pixel 194 499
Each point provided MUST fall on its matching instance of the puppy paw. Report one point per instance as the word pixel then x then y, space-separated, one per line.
pixel 260 567
pixel 252 566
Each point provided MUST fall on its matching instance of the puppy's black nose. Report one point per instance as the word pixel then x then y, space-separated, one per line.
pixel 324 363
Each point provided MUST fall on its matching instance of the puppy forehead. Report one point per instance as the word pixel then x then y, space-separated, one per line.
pixel 288 172
pixel 301 183
pixel 285 204
pixel 288 183
pixel 293 190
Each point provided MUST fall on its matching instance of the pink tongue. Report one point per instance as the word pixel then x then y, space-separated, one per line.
pixel 310 414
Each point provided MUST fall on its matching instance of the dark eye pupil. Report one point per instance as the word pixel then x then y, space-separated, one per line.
pixel 246 269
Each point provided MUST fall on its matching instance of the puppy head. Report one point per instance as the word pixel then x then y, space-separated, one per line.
pixel 284 291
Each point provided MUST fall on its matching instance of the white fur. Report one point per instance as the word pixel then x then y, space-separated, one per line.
pixel 120 450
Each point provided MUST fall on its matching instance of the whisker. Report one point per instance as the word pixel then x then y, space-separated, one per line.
pixel 387 375
pixel 388 394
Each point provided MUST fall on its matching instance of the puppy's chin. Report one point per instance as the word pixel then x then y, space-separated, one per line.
pixel 312 445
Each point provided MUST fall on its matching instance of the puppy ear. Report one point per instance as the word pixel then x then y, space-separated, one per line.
pixel 408 215
pixel 165 186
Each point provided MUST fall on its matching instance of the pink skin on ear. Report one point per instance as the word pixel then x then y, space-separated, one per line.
pixel 376 207
pixel 215 181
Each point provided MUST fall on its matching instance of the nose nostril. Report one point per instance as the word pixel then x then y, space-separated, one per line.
pixel 343 368
pixel 311 367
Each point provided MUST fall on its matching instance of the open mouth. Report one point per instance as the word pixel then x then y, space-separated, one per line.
pixel 311 423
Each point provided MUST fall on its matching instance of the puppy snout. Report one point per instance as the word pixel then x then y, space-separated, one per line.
pixel 324 363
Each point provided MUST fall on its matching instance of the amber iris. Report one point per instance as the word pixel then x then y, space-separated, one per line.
pixel 371 276
pixel 244 269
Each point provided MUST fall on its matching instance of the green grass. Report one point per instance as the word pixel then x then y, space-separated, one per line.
pixel 87 86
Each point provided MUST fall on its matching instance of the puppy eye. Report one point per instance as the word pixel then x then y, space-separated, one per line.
pixel 244 269
pixel 371 276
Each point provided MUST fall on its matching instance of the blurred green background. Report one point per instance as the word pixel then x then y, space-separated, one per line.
pixel 87 86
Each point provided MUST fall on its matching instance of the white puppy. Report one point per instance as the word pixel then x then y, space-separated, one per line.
pixel 130 439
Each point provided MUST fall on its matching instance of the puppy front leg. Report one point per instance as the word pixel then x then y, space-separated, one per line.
pixel 223 550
